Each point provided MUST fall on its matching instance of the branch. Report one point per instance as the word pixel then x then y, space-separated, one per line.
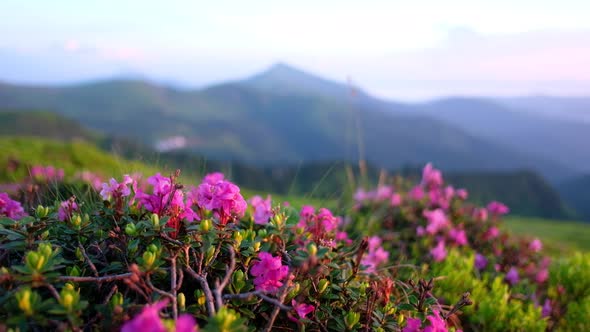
pixel 174 287
pixel 245 296
pixel 148 279
pixel 92 267
pixel 283 294
pixel 219 287
pixel 202 279
pixel 96 279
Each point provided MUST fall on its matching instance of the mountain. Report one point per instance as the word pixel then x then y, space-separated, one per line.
pixel 576 192
pixel 550 138
pixel 277 117
pixel 564 108
pixel 41 124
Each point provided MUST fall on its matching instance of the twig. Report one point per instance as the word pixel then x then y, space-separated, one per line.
pixel 464 301
pixel 202 279
pixel 169 239
pixel 110 294
pixel 53 291
pixel 96 279
pixel 245 296
pixel 173 286
pixel 220 286
pixel 283 294
pixel 180 279
pixel 92 267
pixel 148 280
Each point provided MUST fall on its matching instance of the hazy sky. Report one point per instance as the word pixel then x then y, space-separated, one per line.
pixel 397 49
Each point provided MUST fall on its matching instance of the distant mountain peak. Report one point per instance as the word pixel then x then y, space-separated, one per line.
pixel 283 78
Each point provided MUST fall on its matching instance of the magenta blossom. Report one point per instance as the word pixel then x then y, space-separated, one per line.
pixel 458 236
pixel 48 173
pixel 480 261
pixel 412 325
pixel 383 193
pixel 115 189
pixel 10 208
pixel 417 193
pixel 213 178
pixel 462 194
pixel 269 272
pixel 262 209
pixel 492 233
pixel 149 320
pixel 497 208
pixel 396 200
pixel 547 308
pixel 302 309
pixel 431 177
pixel 512 276
pixel 437 220
pixel 67 209
pixel 536 245
pixel 480 214
pixel 542 276
pixel 437 323
pixel 223 198
pixel 375 255
pixel 439 253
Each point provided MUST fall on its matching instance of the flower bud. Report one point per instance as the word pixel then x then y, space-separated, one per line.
pixel 41 211
pixel 238 237
pixel 351 319
pixel 149 258
pixel 238 280
pixel 205 225
pixel 312 249
pixel 130 229
pixel 45 249
pixel 74 271
pixel 323 285
pixel 24 301
pixel 209 255
pixel 67 301
pixel 76 221
pixel 79 255
pixel 256 246
pixel 181 300
pixel 153 248
pixel 155 220
pixel 117 300
pixel 400 319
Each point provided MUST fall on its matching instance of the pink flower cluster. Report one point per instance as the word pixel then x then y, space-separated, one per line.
pixel 10 208
pixel 302 309
pixel 221 197
pixel 149 320
pixel 381 194
pixel 436 324
pixel 91 178
pixel 269 272
pixel 323 226
pixel 67 209
pixel 114 189
pixel 262 209
pixel 375 255
pixel 46 173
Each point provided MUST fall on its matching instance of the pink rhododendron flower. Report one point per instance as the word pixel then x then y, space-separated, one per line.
pixel 343 237
pixel 512 276
pixel 437 323
pixel 10 208
pixel 497 208
pixel 221 197
pixel 412 325
pixel 116 189
pixel 323 225
pixel 375 255
pixel 262 209
pixel 431 177
pixel 439 253
pixel 149 320
pixel 462 194
pixel 360 195
pixel 420 231
pixel 302 309
pixel 536 245
pixel 92 179
pixel 49 173
pixel 417 193
pixel 396 200
pixel 492 233
pixel 542 276
pixel 480 261
pixel 66 209
pixel 269 271
pixel 437 220
pixel 459 236
pixel 383 193
pixel 480 214
pixel 213 178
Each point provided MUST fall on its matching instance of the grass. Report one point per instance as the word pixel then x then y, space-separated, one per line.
pixel 559 237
